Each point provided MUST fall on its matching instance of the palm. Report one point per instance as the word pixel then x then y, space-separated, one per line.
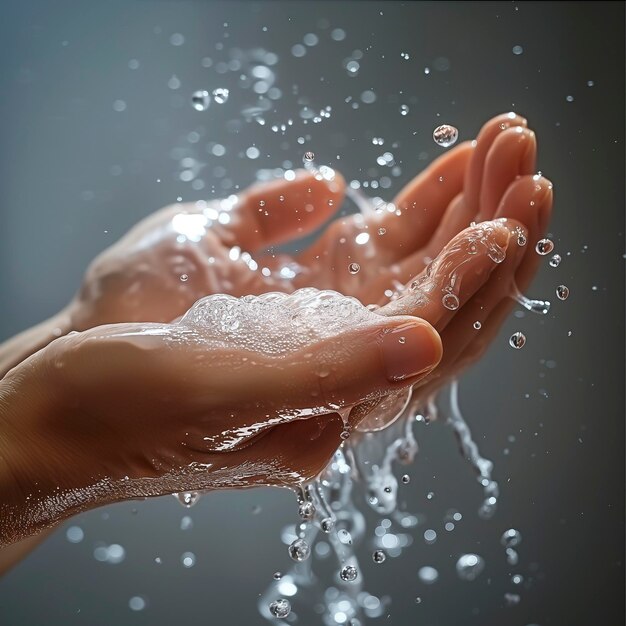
pixel 184 252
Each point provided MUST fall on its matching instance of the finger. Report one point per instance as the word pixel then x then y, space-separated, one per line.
pixel 512 154
pixel 424 200
pixel 484 141
pixel 367 362
pixel 420 205
pixel 529 200
pixel 464 265
pixel 271 213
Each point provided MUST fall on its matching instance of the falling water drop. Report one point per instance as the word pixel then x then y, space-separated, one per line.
pixel 200 100
pixel 517 340
pixel 306 510
pixel 445 135
pixel 299 550
pixel 555 261
pixel 562 292
pixel 308 157
pixel 280 608
pixel 348 573
pixel 187 498
pixel 354 268
pixel 477 325
pixel 450 301
pixel 511 599
pixel 184 278
pixel 404 109
pixel 382 231
pixel 511 538
pixel 544 246
pixel 428 575
pixel 277 575
pixel 469 566
pixel 379 556
pixel 406 479
pixel 327 525
pixel 220 95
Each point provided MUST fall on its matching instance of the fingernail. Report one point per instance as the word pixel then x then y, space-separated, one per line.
pixel 409 350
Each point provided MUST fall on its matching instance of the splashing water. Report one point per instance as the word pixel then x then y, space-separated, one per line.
pixel 541 307
pixel 469 449
pixel 337 527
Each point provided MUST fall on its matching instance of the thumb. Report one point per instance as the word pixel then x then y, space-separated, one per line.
pixel 369 362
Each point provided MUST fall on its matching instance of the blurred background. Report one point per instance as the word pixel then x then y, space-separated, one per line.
pixel 97 131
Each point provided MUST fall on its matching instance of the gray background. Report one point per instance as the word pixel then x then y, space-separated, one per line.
pixel 75 175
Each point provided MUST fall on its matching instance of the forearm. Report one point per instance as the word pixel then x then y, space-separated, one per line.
pixel 18 348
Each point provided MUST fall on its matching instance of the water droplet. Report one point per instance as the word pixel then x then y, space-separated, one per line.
pixel 382 231
pixel 327 525
pixel 511 538
pixel 517 579
pixel 280 608
pixel 308 157
pixel 299 550
pixel 348 573
pixel 177 39
pixel 379 556
pixel 354 268
pixel 511 599
pixel 430 536
pixel 477 325
pixel 74 534
pixel 306 510
pixel 518 50
pixel 469 566
pixel 200 100
pixel 555 261
pixel 544 246
pixel 184 278
pixel 562 292
pixel 402 340
pixel 404 109
pixel 428 575
pixel 450 301
pixel 512 557
pixel 187 498
pixel 188 559
pixel 345 434
pixel 445 135
pixel 517 340
pixel 569 98
pixel 220 95
pixel 406 479
pixel 521 239
pixel 137 603
pixel 277 575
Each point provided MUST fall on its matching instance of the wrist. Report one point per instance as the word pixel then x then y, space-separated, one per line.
pixel 35 471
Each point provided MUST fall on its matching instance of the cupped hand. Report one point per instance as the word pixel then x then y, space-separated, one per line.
pixel 186 251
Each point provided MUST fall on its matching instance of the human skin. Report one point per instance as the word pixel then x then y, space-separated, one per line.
pixel 121 410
